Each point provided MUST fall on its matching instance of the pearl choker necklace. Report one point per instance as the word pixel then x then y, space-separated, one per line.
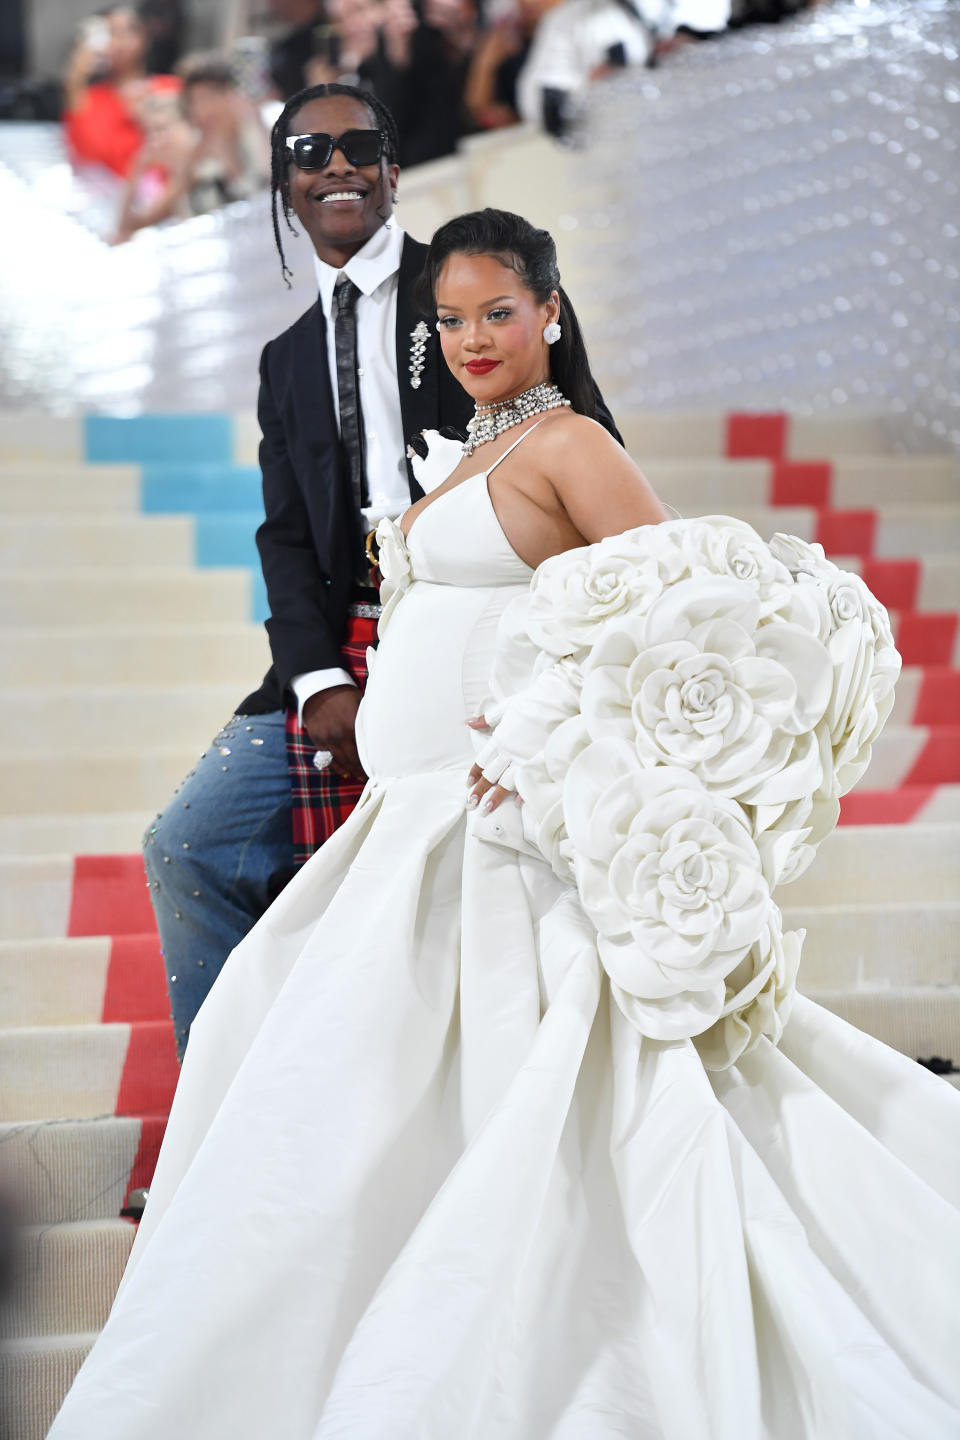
pixel 489 421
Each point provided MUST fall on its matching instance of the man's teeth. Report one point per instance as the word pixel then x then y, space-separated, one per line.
pixel 341 195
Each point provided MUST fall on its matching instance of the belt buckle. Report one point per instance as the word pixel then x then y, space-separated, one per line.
pixel 364 610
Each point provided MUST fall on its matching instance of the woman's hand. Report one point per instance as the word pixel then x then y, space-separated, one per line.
pixel 485 791
pixel 83 67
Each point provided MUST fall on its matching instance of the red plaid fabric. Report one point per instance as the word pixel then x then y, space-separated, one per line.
pixel 321 800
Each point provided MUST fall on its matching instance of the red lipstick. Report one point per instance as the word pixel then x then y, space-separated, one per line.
pixel 481 367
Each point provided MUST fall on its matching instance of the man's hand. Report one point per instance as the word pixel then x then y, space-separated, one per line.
pixel 330 719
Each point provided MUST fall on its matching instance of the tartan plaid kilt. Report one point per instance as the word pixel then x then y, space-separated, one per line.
pixel 321 799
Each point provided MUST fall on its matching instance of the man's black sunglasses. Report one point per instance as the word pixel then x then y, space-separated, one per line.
pixel 358 147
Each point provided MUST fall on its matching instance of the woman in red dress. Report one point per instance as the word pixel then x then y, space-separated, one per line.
pixel 105 82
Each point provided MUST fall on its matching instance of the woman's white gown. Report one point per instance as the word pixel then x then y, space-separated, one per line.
pixel 423 1181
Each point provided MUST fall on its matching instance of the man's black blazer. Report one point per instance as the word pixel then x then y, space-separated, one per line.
pixel 308 541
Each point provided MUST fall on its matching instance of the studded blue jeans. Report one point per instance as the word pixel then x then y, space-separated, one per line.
pixel 211 854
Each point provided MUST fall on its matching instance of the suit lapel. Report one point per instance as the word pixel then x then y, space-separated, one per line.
pixel 420 405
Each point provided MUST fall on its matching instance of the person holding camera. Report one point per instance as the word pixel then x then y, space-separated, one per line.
pixel 106 82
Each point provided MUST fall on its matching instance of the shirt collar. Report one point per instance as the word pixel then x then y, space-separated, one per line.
pixel 375 262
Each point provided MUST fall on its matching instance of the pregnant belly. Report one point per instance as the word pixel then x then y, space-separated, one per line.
pixel 428 677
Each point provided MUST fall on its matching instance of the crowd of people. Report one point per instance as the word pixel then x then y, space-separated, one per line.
pixel 189 132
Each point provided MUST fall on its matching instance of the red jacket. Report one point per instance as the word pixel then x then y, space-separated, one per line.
pixel 103 128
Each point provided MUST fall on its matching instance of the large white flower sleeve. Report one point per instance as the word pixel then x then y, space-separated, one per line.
pixel 680 708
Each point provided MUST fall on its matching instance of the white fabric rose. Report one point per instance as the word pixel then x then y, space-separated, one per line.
pixel 574 593
pixel 724 546
pixel 540 781
pixel 863 681
pixel 672 880
pixel 697 684
pixel 393 561
pixel 801 557
pixel 787 836
pixel 759 997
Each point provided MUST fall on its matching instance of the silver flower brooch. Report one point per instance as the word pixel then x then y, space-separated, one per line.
pixel 418 352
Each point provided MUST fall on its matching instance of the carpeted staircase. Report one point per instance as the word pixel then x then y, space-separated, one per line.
pixel 129 605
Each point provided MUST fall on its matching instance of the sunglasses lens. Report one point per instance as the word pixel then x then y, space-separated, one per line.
pixel 311 152
pixel 361 147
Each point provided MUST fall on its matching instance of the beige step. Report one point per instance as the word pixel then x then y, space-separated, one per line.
pixel 105 717
pixel 62 1072
pixel 35 782
pixel 707 484
pixel 149 542
pixel 36 436
pixel 703 433
pixel 908 694
pixel 115 596
pixel 871 864
pixel 927 532
pixel 35 896
pixel 876 482
pixel 939 583
pixel 247 436
pixel 66 1277
pixel 59 981
pixel 193 651
pixel 35 1375
pixel 69 1169
pixel 848 946
pixel 895 752
pixel 57 488
pixel 861 482
pixel 919 1021
pixel 94 834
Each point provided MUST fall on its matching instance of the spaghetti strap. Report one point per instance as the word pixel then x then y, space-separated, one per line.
pixel 510 448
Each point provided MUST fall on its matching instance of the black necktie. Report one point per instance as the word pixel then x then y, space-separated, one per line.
pixel 351 418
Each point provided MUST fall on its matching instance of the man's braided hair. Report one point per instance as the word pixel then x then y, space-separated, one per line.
pixel 279 179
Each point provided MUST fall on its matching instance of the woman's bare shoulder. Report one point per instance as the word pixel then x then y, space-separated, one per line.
pixel 602 489
pixel 568 439
pixel 562 426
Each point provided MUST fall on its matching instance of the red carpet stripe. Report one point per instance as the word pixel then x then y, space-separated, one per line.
pixel 801 482
pixel 110 896
pixel 926 639
pixel 847 532
pixel 885 807
pixel 756 437
pixel 150 1070
pixel 896 583
pixel 938 702
pixel 152 1129
pixel 939 761
pixel 136 986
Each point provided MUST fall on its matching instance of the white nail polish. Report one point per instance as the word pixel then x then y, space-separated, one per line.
pixel 473 802
pixel 486 807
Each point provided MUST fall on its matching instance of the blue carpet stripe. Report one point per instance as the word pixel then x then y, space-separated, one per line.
pixel 147 438
pixel 226 504
pixel 226 540
pixel 229 538
pixel 198 489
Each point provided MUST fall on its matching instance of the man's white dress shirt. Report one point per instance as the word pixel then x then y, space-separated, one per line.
pixel 375 271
